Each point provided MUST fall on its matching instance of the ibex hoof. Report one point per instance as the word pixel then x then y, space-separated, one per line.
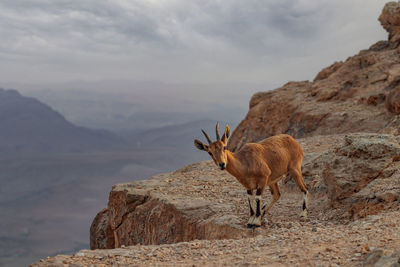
pixel 304 214
pixel 257 221
pixel 252 226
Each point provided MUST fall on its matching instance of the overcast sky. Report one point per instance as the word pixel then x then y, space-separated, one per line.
pixel 269 41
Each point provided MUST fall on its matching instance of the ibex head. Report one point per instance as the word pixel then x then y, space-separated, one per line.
pixel 217 149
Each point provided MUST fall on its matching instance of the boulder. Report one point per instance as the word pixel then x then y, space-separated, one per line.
pixel 390 21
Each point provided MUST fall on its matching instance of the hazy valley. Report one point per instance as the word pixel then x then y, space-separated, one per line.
pixel 54 175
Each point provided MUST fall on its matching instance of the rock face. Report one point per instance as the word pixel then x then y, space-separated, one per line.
pixel 390 21
pixel 170 208
pixel 361 175
pixel 372 241
pixel 358 95
pixel 350 176
pixel 347 123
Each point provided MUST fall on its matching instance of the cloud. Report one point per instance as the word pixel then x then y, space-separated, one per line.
pixel 171 40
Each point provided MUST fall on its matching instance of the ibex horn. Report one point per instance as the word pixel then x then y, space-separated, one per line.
pixel 217 131
pixel 207 137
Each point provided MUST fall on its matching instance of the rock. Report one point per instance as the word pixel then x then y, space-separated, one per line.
pixel 365 248
pixel 354 173
pixel 393 101
pixel 390 20
pixel 372 258
pixel 358 173
pixel 350 96
pixel 139 214
pixel 104 237
pixel 346 122
pixel 325 73
pixel 387 261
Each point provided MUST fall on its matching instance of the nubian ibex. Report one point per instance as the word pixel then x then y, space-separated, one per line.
pixel 258 165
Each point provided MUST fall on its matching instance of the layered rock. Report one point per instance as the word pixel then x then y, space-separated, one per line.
pixel 371 241
pixel 347 121
pixel 361 94
pixel 358 177
pixel 350 176
pixel 390 21
pixel 196 202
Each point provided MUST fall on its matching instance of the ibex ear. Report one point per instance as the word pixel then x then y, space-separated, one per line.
pixel 200 145
pixel 227 131
pixel 226 135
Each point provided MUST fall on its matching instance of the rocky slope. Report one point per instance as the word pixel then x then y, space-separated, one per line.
pixel 348 125
pixel 350 180
pixel 368 242
pixel 361 94
pixel 350 176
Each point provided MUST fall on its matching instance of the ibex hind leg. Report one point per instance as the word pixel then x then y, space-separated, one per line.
pixel 295 173
pixel 276 194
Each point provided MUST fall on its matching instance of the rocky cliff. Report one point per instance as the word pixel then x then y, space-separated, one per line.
pixel 354 214
pixel 347 121
pixel 361 94
pixel 350 176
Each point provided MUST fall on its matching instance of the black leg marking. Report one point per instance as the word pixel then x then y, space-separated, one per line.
pixel 251 210
pixel 258 193
pixel 250 194
pixel 305 200
pixel 258 212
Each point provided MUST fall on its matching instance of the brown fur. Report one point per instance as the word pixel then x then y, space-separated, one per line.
pixel 262 164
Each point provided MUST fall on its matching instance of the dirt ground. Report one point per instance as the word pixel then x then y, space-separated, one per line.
pixel 283 240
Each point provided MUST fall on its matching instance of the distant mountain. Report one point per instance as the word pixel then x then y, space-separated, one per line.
pixel 180 135
pixel 29 126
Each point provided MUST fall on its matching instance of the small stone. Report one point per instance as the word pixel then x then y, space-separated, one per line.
pixel 387 261
pixel 373 257
pixel 314 229
pixel 365 248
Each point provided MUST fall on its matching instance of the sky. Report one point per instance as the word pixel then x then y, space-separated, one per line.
pixel 181 41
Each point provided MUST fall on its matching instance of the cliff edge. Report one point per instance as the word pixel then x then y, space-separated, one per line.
pixel 347 120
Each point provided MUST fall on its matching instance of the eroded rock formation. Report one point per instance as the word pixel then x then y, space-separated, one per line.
pixel 169 208
pixel 350 176
pixel 347 121
pixel 358 95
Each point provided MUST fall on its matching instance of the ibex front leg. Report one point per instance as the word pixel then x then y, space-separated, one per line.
pixel 252 206
pixel 258 218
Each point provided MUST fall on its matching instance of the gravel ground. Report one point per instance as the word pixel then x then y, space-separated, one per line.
pixel 279 243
